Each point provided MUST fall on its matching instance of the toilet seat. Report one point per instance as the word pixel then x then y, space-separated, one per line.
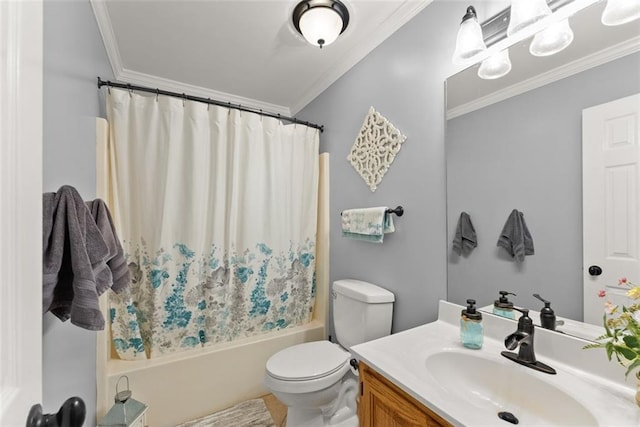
pixel 307 367
pixel 321 358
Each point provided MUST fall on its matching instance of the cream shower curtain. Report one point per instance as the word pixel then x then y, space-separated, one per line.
pixel 217 212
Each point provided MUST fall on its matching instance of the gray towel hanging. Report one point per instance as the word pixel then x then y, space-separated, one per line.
pixel 515 237
pixel 465 239
pixel 77 263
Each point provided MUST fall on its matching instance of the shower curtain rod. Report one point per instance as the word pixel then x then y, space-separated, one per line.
pixel 208 101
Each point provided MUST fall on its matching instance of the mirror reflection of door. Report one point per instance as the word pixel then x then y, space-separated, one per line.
pixel 611 215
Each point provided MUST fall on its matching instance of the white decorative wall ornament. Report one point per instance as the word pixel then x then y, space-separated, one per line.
pixel 375 148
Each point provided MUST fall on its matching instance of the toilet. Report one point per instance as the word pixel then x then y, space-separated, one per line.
pixel 317 380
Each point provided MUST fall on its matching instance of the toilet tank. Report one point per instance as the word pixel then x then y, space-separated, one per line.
pixel 362 311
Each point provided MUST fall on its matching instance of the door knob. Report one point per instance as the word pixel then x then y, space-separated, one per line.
pixel 594 270
pixel 71 414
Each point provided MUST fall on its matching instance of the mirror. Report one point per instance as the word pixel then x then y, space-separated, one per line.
pixel 516 143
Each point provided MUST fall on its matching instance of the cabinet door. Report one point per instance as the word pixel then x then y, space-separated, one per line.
pixel 384 404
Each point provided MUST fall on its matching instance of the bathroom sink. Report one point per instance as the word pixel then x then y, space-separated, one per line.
pixel 488 387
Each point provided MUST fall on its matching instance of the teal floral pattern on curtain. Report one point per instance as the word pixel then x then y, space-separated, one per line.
pixel 232 296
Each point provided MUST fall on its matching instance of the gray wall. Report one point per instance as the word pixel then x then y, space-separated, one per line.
pixel 403 79
pixel 525 153
pixel 74 56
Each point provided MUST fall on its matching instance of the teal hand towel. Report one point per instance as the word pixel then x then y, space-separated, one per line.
pixel 367 224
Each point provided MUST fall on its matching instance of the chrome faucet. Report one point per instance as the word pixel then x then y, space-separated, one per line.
pixel 523 337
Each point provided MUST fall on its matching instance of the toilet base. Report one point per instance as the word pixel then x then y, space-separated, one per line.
pixel 306 417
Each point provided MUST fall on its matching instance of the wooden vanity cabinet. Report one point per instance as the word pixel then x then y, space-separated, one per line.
pixel 383 404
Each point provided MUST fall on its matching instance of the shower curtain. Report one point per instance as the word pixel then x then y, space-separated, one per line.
pixel 217 211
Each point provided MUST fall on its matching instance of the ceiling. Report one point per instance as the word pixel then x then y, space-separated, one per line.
pixel 240 51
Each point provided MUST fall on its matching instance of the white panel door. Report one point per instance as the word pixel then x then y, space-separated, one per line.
pixel 20 209
pixel 611 216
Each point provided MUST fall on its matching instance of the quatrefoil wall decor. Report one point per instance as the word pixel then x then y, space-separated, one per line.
pixel 375 148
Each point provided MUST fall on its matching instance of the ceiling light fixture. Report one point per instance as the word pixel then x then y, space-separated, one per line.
pixel 469 42
pixel 320 21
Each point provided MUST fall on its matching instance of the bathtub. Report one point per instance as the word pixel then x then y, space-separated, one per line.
pixel 191 384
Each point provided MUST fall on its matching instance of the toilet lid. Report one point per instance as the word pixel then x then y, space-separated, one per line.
pixel 307 361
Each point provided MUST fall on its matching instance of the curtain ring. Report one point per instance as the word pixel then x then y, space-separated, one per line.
pixel 184 99
pixel 229 108
pixel 130 91
pixel 157 93
pixel 109 90
pixel 261 115
pixel 208 103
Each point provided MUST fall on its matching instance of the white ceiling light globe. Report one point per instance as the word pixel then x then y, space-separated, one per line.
pixel 320 26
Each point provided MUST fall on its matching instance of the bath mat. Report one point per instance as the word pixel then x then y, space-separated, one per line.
pixel 251 413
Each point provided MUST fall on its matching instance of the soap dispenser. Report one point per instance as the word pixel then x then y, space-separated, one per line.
pixel 471 333
pixel 547 315
pixel 503 307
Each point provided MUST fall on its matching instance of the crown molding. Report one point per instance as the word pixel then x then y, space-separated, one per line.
pixel 108 36
pixel 142 79
pixel 125 75
pixel 400 17
pixel 590 61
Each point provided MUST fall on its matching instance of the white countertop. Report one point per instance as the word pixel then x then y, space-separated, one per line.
pixel 586 375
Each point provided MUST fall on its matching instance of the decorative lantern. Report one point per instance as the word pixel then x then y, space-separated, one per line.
pixel 126 412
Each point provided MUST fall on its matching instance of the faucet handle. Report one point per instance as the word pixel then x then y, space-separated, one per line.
pixel 541 299
pixel 525 324
pixel 547 315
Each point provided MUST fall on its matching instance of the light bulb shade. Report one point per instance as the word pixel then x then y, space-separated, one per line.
pixel 320 21
pixel 552 39
pixel 495 66
pixel 525 13
pixel 618 12
pixel 320 26
pixel 469 42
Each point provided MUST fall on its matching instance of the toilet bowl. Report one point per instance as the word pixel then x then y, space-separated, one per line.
pixel 316 380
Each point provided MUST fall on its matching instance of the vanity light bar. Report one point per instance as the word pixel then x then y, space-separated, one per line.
pixel 494 29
